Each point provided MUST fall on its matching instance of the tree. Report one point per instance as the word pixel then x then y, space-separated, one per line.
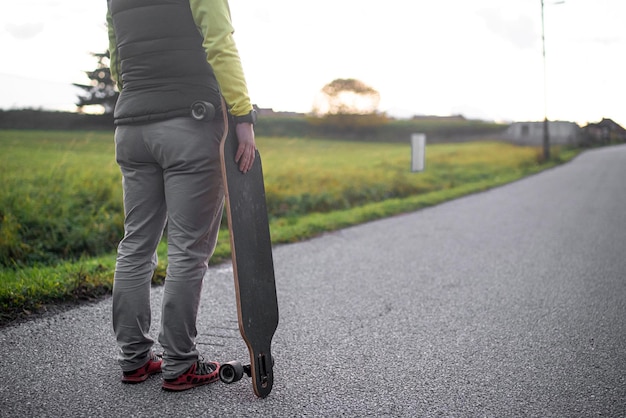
pixel 101 91
pixel 348 107
pixel 347 97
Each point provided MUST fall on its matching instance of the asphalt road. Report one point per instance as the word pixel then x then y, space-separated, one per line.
pixel 510 302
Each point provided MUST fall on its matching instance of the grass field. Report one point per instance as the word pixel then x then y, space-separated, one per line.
pixel 61 200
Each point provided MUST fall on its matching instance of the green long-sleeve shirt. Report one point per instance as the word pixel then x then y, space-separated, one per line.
pixel 212 17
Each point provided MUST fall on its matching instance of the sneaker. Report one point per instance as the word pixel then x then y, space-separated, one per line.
pixel 200 373
pixel 139 375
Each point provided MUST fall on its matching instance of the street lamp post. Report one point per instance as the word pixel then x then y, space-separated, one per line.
pixel 546 134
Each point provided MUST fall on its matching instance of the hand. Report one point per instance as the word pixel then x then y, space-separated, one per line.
pixel 247 146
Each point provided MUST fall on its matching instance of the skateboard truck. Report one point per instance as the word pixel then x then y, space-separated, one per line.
pixel 204 111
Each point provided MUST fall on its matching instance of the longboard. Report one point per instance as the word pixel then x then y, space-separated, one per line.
pixel 253 265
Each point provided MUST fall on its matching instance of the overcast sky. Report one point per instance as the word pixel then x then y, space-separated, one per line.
pixel 479 58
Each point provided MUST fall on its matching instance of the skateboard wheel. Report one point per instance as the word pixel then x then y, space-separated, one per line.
pixel 231 372
pixel 201 110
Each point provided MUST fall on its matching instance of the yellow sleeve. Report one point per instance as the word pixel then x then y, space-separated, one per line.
pixel 114 60
pixel 213 20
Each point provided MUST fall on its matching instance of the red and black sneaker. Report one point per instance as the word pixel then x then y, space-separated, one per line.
pixel 153 366
pixel 200 373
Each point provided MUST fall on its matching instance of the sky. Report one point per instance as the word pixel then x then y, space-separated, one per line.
pixel 478 58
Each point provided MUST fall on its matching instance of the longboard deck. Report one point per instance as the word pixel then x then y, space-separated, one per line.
pixel 253 265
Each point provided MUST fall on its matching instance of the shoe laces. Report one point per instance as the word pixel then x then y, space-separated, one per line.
pixel 204 367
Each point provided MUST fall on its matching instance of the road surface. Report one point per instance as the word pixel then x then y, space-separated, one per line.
pixel 510 302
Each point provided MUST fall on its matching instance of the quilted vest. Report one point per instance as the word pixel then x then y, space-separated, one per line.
pixel 163 65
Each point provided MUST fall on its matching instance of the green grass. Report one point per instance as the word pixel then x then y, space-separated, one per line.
pixel 61 210
pixel 59 196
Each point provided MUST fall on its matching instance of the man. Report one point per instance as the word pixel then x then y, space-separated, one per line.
pixel 166 55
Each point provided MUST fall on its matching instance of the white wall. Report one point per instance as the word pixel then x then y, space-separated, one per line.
pixel 531 133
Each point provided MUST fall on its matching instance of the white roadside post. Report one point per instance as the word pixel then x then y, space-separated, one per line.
pixel 418 152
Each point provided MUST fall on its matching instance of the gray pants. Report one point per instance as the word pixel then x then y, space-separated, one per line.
pixel 171 176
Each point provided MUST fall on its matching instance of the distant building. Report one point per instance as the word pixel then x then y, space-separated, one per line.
pixel 531 133
pixel 451 118
pixel 269 112
pixel 604 132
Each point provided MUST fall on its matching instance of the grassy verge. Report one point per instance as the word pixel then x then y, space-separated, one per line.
pixel 62 189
